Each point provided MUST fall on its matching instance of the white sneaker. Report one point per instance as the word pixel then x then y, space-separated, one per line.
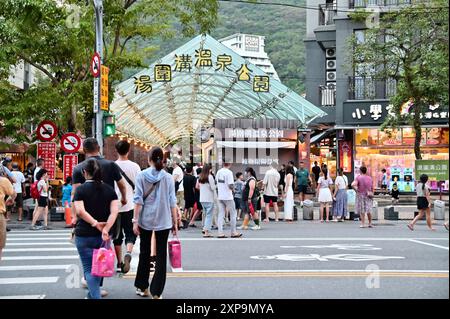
pixel 83 283
pixel 142 293
pixel 157 297
pixel 256 227
pixel 103 293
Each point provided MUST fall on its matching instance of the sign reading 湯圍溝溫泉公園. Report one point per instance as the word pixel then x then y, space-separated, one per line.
pixel 437 170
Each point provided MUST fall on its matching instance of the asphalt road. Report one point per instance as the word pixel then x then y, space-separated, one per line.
pixel 281 261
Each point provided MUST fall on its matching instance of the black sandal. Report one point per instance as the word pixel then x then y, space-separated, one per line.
pixel 222 236
pixel 236 235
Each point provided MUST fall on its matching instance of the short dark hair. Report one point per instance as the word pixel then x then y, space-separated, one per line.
pixel 291 162
pixel 189 168
pixel 68 180
pixel 383 170
pixel 122 147
pixel 29 165
pixel 363 169
pixel 238 174
pixel 15 165
pixel 41 173
pixel 90 145
pixel 341 171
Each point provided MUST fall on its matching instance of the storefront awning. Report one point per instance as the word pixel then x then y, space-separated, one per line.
pixel 161 113
pixel 254 144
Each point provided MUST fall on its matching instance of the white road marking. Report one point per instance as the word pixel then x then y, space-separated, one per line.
pixel 39 257
pixel 39 244
pixel 35 267
pixel 428 244
pixel 23 297
pixel 315 270
pixel 28 280
pixel 16 250
pixel 37 239
pixel 310 239
pixel 37 235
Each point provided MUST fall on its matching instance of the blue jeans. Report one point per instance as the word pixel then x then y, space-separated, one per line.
pixel 209 210
pixel 86 246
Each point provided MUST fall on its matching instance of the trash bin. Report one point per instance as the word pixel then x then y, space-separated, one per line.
pixel 439 210
pixel 308 210
pixel 375 210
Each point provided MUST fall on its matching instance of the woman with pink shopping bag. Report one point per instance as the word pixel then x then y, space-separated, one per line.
pixel 155 211
pixel 97 207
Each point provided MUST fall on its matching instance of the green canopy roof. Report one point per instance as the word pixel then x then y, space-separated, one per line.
pixel 193 98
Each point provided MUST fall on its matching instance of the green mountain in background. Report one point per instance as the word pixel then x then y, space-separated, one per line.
pixel 283 27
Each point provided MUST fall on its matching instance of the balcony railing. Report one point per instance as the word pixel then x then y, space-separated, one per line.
pixel 327 96
pixel 382 3
pixel 327 12
pixel 368 88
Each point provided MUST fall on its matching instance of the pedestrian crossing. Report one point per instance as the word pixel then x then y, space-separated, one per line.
pixel 36 265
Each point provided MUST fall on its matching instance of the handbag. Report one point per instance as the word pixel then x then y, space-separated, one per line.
pixel 175 253
pixel 103 260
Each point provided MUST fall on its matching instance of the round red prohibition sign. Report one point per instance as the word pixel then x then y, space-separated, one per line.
pixel 70 143
pixel 95 65
pixel 46 131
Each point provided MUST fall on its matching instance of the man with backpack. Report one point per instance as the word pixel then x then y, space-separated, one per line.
pixel 129 171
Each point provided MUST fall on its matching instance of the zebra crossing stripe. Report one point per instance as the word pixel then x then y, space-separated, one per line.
pixel 28 280
pixel 23 297
pixel 39 257
pixel 16 250
pixel 35 267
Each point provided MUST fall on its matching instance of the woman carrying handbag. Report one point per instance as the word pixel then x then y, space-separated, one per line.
pixel 97 207
pixel 155 211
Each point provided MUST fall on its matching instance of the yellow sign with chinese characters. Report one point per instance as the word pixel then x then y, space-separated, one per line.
pixel 143 84
pixel 244 73
pixel 204 58
pixel 104 105
pixel 261 84
pixel 163 73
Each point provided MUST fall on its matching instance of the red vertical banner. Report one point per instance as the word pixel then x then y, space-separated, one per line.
pixel 47 151
pixel 345 155
pixel 304 148
pixel 70 161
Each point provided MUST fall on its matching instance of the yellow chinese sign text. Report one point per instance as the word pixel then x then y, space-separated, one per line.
pixel 143 84
pixel 163 73
pixel 104 88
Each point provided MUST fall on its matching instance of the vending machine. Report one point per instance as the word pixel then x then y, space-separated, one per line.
pixel 408 180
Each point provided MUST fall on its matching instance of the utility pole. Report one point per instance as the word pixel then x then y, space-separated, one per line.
pixel 98 6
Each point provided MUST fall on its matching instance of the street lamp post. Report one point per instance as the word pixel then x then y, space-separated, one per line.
pixel 98 6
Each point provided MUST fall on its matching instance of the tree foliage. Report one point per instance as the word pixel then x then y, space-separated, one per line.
pixel 409 45
pixel 58 38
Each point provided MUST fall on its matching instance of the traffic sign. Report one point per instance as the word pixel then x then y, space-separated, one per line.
pixel 70 143
pixel 70 161
pixel 95 65
pixel 46 131
pixel 47 151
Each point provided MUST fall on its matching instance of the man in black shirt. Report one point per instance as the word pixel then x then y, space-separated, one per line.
pixel 28 173
pixel 110 172
pixel 316 171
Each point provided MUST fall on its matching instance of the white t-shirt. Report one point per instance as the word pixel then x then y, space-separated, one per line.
pixel 271 180
pixel 19 180
pixel 42 186
pixel 35 173
pixel 224 179
pixel 341 182
pixel 178 171
pixel 131 169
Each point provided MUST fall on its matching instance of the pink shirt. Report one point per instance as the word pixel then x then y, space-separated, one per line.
pixel 364 184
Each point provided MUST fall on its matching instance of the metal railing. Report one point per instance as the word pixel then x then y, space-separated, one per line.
pixel 327 96
pixel 382 3
pixel 327 12
pixel 368 88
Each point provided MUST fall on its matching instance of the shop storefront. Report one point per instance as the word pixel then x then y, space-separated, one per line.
pixel 390 149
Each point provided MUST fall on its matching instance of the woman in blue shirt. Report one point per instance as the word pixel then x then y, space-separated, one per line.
pixel 67 192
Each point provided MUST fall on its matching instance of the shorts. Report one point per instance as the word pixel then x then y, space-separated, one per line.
pixel 19 200
pixel 238 203
pixel 124 225
pixel 2 231
pixel 422 203
pixel 302 188
pixel 42 201
pixel 268 199
pixel 384 187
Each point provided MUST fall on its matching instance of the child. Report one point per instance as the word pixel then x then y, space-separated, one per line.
pixel 238 188
pixel 67 193
pixel 394 193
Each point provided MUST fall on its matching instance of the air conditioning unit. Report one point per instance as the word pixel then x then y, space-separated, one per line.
pixel 331 64
pixel 331 76
pixel 331 85
pixel 330 53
